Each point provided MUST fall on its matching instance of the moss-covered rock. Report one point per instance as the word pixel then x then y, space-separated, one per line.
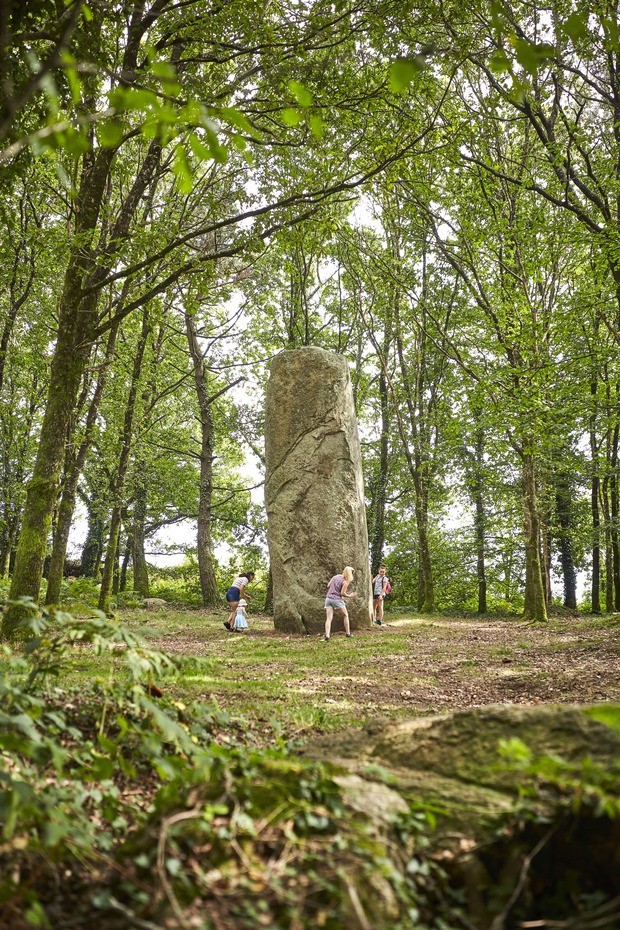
pixel 453 764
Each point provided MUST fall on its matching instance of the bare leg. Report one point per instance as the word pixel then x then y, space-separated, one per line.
pixel 380 609
pixel 233 611
pixel 347 626
pixel 374 608
pixel 329 616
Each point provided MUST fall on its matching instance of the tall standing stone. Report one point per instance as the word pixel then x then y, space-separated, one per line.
pixel 314 490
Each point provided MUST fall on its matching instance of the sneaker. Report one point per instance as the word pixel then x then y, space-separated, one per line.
pixel 379 622
pixel 349 635
pixel 227 625
pixel 326 639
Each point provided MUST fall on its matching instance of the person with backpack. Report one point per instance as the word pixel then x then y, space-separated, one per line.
pixel 380 587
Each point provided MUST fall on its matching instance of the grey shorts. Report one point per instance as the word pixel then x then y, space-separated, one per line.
pixel 336 602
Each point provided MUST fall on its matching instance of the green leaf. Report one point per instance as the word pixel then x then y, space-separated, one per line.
pixel 72 79
pixel 181 169
pixel 167 77
pixel 301 94
pixel 218 152
pixel 54 833
pixel 291 117
pixel 87 13
pixel 499 61
pixel 531 56
pixel 576 26
pixel 609 714
pixel 403 71
pixel 36 916
pixel 109 134
pixel 236 118
pixel 239 143
pixel 199 149
pixel 316 126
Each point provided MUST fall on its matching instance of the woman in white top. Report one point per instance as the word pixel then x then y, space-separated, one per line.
pixel 235 593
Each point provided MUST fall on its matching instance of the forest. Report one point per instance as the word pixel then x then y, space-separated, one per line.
pixel 430 188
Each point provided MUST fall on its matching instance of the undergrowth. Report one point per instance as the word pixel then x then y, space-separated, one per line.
pixel 126 808
pixel 121 808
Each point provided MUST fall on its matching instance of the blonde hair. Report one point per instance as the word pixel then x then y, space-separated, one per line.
pixel 347 573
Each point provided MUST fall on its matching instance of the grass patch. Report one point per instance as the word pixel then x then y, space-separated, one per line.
pixel 287 687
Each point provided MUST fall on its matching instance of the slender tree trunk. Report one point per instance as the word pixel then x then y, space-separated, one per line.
pixel 93 545
pixel 140 568
pixel 377 539
pixel 74 471
pixel 111 558
pixel 535 608
pixel 77 321
pixel 419 470
pixel 609 567
pixel 208 582
pixel 594 504
pixel 615 529
pixel 116 574
pixel 8 542
pixel 125 564
pixel 563 501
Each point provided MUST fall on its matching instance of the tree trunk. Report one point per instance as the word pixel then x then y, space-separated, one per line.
pixel 594 504
pixel 93 545
pixel 609 568
pixel 74 471
pixel 269 596
pixel 535 609
pixel 111 558
pixel 8 541
pixel 140 568
pixel 125 566
pixel 77 317
pixel 480 529
pixel 613 497
pixel 208 582
pixel 377 538
pixel 77 321
pixel 116 574
pixel 419 469
pixel 563 501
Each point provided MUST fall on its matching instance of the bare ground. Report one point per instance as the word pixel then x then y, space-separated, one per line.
pixel 414 665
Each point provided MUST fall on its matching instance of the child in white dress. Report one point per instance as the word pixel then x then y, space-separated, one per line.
pixel 241 622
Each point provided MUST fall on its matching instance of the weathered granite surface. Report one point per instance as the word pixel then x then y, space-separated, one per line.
pixel 314 490
pixel 453 763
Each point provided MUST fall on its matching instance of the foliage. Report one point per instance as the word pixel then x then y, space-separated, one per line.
pixel 104 779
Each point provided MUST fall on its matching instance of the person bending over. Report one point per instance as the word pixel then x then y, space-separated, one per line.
pixel 336 593
pixel 235 593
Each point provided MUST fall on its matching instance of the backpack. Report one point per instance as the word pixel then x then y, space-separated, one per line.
pixel 388 588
